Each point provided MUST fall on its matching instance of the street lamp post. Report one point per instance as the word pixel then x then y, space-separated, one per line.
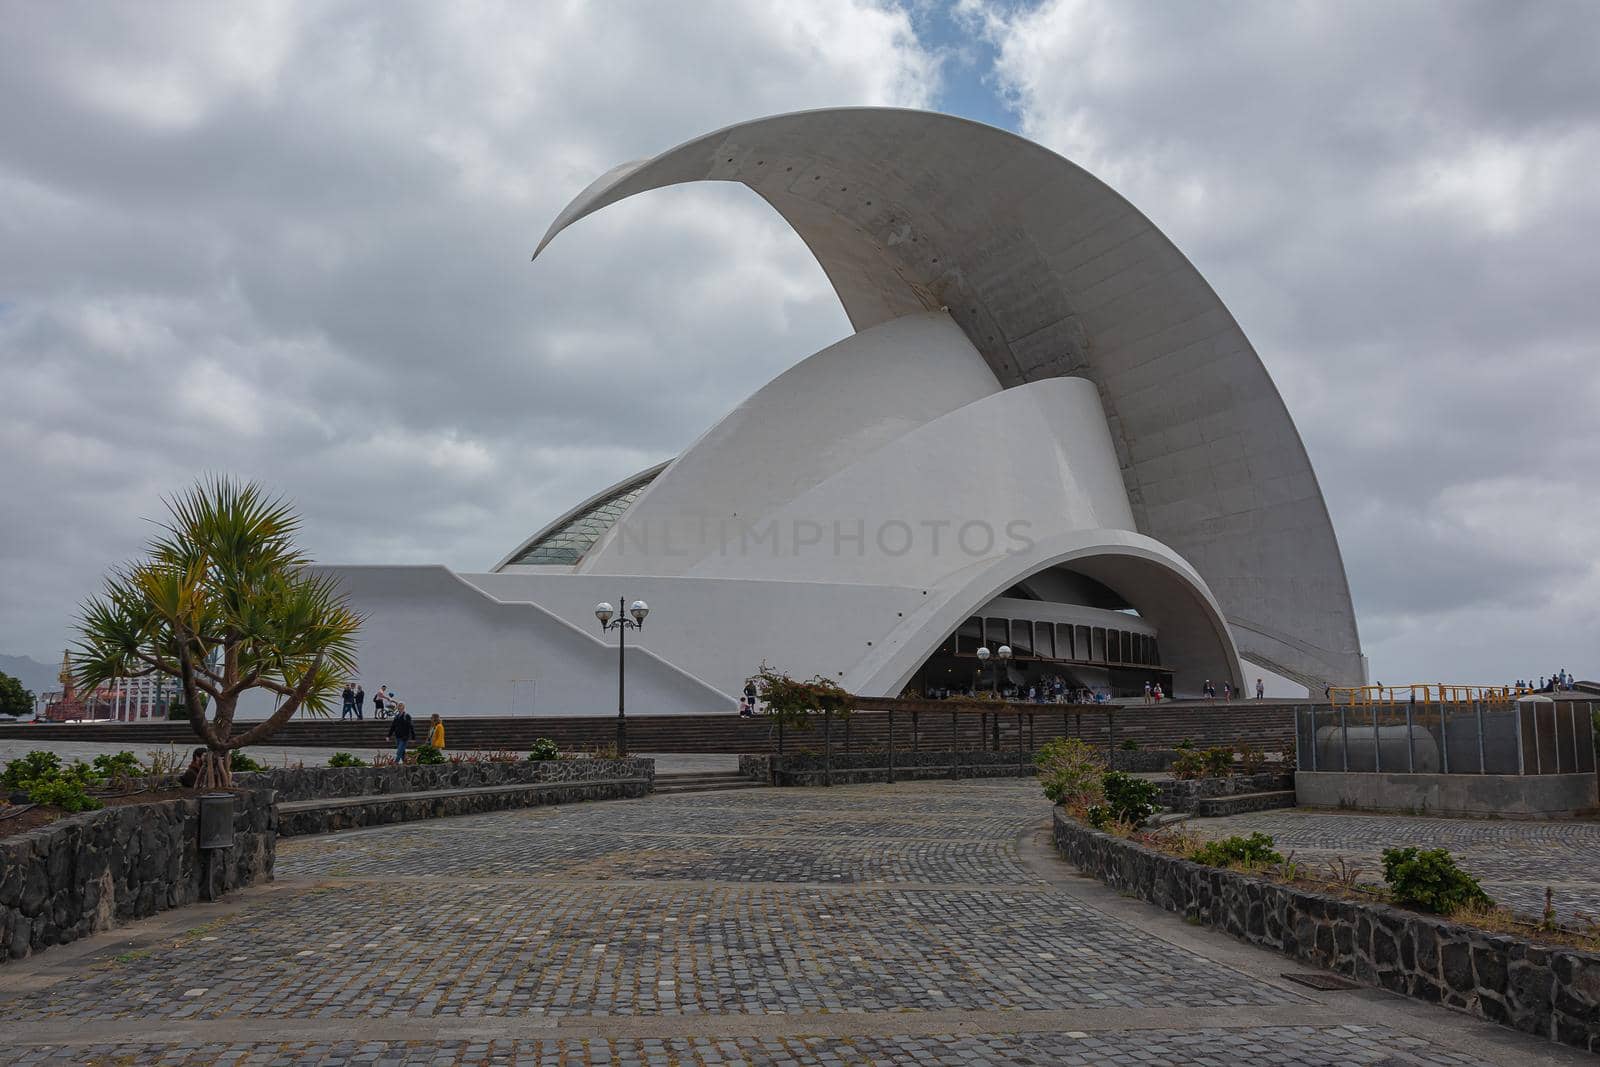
pixel 622 624
pixel 1002 655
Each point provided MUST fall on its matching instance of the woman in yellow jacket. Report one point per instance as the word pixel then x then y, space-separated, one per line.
pixel 436 733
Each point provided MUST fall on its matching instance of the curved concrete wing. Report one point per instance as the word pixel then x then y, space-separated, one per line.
pixel 1049 272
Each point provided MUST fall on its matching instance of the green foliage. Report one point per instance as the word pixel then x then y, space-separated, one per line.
pixel 225 603
pixel 345 759
pixel 1129 799
pixel 1188 764
pixel 1250 760
pixel 238 761
pixel 30 767
pixel 1071 772
pixel 1253 851
pixel 427 754
pixel 41 776
pixel 14 700
pixel 1186 745
pixel 1429 879
pixel 1130 745
pixel 118 765
pixel 1219 762
pixel 793 702
pixel 543 749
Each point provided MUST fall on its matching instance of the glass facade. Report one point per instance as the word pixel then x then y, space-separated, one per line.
pixel 567 543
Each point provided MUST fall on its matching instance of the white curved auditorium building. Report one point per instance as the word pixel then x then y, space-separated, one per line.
pixel 1047 431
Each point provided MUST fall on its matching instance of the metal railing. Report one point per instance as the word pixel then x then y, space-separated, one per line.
pixel 1476 737
pixel 1388 696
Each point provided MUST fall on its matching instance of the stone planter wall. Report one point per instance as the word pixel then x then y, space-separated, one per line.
pixel 1182 794
pixel 858 767
pixel 329 815
pixel 312 783
pixel 1552 992
pixel 87 873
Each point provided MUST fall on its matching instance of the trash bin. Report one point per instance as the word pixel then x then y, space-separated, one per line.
pixel 216 820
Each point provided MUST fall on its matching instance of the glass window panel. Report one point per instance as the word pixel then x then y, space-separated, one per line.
pixel 1044 644
pixel 1022 637
pixel 998 632
pixel 567 543
pixel 1063 641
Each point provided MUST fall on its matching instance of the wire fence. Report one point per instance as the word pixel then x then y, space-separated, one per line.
pixel 1481 737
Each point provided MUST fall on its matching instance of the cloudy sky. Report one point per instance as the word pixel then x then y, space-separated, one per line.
pixel 291 242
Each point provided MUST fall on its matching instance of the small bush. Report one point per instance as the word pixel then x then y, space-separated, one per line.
pixel 66 793
pixel 1430 880
pixel 1251 761
pixel 543 749
pixel 30 767
pixel 238 761
pixel 1071 772
pixel 1218 761
pixel 1188 764
pixel 345 759
pixel 1253 851
pixel 1186 745
pixel 1130 799
pixel 118 765
pixel 427 755
pixel 1130 745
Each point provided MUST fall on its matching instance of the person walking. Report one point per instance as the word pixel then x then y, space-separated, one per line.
pixel 1260 689
pixel 436 733
pixel 361 699
pixel 348 706
pixel 401 729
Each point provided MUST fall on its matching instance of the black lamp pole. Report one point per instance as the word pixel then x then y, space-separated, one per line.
pixel 622 624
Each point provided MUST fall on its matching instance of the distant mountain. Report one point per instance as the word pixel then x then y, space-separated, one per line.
pixel 31 673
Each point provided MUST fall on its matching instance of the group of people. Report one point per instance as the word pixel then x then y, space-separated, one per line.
pixel 1557 682
pixel 384 702
pixel 386 705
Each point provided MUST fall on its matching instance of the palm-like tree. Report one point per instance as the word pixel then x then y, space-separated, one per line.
pixel 225 604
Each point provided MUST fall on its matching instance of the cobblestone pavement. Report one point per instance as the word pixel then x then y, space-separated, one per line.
pixel 919 923
pixel 1514 859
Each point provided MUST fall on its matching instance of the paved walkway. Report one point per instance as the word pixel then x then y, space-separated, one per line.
pixel 1514 859
pixel 918 923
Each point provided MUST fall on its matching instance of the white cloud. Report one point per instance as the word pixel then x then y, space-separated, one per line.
pixel 1396 202
pixel 291 242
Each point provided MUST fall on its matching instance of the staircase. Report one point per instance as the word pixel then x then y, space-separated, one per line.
pixel 703 782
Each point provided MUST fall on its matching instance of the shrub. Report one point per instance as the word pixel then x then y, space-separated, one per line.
pixel 66 793
pixel 1218 761
pixel 1430 880
pixel 1253 851
pixel 1130 799
pixel 1186 745
pixel 1071 772
pixel 1130 745
pixel 1188 764
pixel 427 754
pixel 118 765
pixel 32 766
pixel 41 776
pixel 543 749
pixel 238 761
pixel 345 759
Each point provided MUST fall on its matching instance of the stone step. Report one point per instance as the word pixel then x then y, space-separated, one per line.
pixel 1241 803
pixel 667 784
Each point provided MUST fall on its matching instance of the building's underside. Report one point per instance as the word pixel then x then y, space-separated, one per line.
pixel 1046 432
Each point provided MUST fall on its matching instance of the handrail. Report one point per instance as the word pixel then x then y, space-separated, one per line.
pixel 1366 696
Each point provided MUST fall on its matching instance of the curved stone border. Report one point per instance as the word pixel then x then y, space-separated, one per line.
pixel 308 783
pixel 1552 992
pixel 330 815
pixel 86 873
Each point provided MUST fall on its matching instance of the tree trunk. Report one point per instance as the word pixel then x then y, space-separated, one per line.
pixel 216 770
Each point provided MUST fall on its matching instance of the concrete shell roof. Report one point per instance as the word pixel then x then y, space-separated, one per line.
pixel 1050 272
